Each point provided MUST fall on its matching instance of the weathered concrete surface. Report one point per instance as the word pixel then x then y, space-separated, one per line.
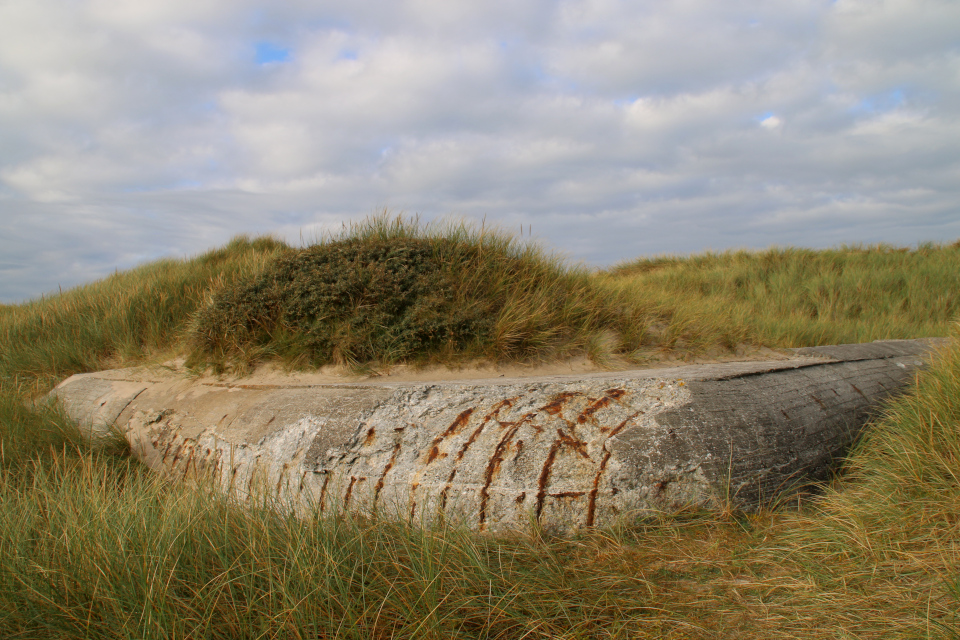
pixel 569 451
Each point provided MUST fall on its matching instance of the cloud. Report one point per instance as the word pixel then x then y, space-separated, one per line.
pixel 771 122
pixel 616 129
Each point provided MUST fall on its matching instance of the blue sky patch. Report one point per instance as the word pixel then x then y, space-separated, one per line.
pixel 267 53
pixel 880 102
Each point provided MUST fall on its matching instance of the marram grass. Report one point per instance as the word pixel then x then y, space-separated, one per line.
pixel 123 319
pixel 96 548
pixel 92 545
pixel 788 297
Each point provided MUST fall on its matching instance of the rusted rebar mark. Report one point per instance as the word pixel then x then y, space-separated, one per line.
pixel 545 472
pixel 386 470
pixel 494 465
pixel 595 490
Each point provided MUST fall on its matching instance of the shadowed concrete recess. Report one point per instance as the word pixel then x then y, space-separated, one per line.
pixel 568 451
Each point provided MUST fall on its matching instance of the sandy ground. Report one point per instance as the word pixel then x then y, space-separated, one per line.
pixel 273 374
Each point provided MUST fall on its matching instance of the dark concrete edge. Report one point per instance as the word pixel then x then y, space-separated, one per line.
pixel 875 350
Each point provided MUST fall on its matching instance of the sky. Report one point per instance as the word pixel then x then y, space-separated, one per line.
pixel 612 129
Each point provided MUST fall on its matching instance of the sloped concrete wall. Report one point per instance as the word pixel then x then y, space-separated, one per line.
pixel 568 451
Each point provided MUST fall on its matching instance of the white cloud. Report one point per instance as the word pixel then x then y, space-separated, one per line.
pixel 771 122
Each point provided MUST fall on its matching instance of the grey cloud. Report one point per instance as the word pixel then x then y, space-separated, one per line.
pixel 645 49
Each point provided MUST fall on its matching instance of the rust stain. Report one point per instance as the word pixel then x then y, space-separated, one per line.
pixel 555 406
pixel 525 418
pixel 176 455
pixel 545 473
pixel 623 424
pixel 564 439
pixel 386 470
pixel 568 494
pixel 455 426
pixel 521 498
pixel 370 435
pixel 785 414
pixel 818 401
pixel 446 488
pixel 592 502
pixel 494 413
pixel 346 498
pixel 574 443
pixel 323 492
pixel 494 466
pixel 413 498
pixel 186 467
pixel 609 396
pixel 280 477
pixel 459 423
pixel 620 426
pixel 857 390
pixel 587 413
pixel 659 488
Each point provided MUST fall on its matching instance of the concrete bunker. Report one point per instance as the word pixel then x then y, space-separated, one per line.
pixel 569 451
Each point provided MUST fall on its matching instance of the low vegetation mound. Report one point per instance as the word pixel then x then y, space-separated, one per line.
pixel 388 291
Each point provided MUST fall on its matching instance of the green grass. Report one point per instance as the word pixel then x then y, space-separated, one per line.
pixel 124 319
pixel 92 545
pixel 796 297
pixel 144 560
pixel 883 546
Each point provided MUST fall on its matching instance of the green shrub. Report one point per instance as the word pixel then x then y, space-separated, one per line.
pixel 389 291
